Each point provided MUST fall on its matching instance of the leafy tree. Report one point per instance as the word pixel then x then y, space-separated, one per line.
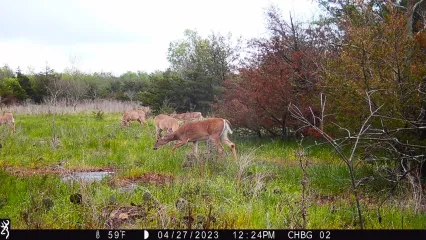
pixel 381 50
pixel 204 65
pixel 164 87
pixel 25 83
pixel 10 88
pixel 280 70
pixel 76 87
pixel 132 83
pixel 15 88
pixel 6 72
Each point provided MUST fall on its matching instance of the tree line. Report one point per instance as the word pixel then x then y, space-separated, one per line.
pixel 193 82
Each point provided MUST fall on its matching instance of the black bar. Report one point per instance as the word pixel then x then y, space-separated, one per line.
pixel 216 234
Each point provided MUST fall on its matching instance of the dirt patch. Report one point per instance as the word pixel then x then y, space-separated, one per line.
pixel 281 162
pixel 292 163
pixel 123 216
pixel 151 178
pixel 346 198
pixel 56 170
pixel 324 199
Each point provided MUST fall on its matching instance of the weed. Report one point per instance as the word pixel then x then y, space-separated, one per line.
pixel 150 189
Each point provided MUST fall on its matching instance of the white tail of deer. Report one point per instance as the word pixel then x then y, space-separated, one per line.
pixel 214 129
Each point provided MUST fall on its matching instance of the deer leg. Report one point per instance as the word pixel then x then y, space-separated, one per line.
pixel 196 148
pixel 231 145
pixel 209 146
pixel 216 142
pixel 158 132
pixel 178 145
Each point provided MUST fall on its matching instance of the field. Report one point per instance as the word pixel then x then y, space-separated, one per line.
pixel 151 189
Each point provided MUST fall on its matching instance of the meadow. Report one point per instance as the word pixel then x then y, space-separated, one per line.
pixel 151 189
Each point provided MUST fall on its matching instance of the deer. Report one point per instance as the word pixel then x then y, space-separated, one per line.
pixel 136 115
pixel 189 116
pixel 213 129
pixel 165 122
pixel 7 118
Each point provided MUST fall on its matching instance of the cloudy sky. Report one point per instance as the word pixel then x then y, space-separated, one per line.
pixel 126 35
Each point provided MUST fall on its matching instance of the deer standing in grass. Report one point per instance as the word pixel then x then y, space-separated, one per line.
pixel 137 115
pixel 189 116
pixel 7 118
pixel 213 129
pixel 164 122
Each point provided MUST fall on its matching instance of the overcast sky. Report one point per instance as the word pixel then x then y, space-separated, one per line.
pixel 126 35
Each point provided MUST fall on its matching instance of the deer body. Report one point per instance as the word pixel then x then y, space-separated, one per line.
pixel 7 118
pixel 137 115
pixel 213 129
pixel 164 122
pixel 189 116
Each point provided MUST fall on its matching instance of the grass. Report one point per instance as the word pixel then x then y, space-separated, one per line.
pixel 262 190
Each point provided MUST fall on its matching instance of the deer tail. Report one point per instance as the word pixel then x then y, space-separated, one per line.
pixel 226 128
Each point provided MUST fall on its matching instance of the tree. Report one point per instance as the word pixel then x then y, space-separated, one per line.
pixel 132 83
pixel 25 83
pixel 15 88
pixel 6 72
pixel 203 63
pixel 11 90
pixel 381 50
pixel 76 88
pixel 164 87
pixel 280 70
pixel 54 85
pixel 134 80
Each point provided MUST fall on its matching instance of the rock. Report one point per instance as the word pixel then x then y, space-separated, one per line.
pixel 3 201
pixel 200 219
pixel 181 204
pixel 112 200
pixel 277 191
pixel 124 215
pixel 76 198
pixel 147 196
pixel 188 219
pixel 47 203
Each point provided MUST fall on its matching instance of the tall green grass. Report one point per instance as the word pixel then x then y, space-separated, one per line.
pixel 267 195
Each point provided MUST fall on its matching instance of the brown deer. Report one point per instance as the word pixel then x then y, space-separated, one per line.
pixel 213 129
pixel 164 122
pixel 7 118
pixel 189 116
pixel 137 115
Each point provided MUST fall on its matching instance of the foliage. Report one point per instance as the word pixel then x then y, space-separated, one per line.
pixel 163 87
pixel 203 65
pixel 98 115
pixel 11 87
pixel 267 197
pixel 280 70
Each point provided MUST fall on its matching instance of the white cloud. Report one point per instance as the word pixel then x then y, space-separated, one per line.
pixel 117 36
